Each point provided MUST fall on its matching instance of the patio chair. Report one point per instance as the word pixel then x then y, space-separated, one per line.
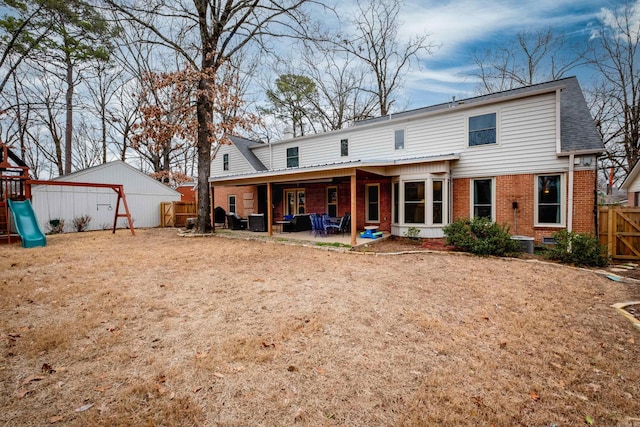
pixel 317 227
pixel 341 227
pixel 236 223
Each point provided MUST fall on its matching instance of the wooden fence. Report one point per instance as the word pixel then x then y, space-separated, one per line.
pixel 619 230
pixel 175 214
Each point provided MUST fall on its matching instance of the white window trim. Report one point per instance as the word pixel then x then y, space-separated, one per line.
pixel 393 139
pixel 563 201
pixel 493 196
pixel 235 203
pixel 482 113
pixel 286 157
pixel 429 202
pixel 366 195
pixel 226 155
pixel 340 148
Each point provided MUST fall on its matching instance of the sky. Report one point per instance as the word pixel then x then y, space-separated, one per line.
pixel 461 26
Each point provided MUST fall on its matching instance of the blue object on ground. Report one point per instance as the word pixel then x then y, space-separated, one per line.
pixel 27 224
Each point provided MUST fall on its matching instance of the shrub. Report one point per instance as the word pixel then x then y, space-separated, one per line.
pixel 81 223
pixel 412 233
pixel 581 249
pixel 481 236
pixel 55 226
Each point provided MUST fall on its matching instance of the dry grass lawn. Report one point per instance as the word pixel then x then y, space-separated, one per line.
pixel 158 330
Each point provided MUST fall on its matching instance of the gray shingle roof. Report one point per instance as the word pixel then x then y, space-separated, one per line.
pixel 578 130
pixel 244 146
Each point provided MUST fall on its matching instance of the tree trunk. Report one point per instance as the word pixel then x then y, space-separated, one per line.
pixel 68 132
pixel 203 112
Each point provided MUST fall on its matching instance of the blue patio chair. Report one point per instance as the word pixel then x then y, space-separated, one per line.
pixel 337 228
pixel 317 227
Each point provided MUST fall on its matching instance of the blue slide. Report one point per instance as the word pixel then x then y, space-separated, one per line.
pixel 27 224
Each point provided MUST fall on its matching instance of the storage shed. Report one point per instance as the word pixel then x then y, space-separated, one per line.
pixel 144 195
pixel 632 186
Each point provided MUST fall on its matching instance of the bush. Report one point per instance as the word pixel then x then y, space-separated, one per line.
pixel 81 223
pixel 412 233
pixel 581 249
pixel 481 236
pixel 55 226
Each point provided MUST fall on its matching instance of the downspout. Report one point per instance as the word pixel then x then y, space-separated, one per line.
pixel 595 199
pixel 570 195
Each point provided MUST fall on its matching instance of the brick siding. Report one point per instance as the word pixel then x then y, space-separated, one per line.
pixel 521 189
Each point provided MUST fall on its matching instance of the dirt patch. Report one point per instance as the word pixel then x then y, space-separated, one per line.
pixel 396 244
pixel 101 329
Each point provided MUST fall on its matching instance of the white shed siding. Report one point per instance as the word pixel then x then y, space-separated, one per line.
pixel 237 163
pixel 635 185
pixel 143 194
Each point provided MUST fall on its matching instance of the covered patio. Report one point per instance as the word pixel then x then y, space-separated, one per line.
pixel 337 240
pixel 275 181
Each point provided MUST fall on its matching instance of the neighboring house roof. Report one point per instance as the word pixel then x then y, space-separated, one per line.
pixel 631 177
pixel 578 132
pixel 244 146
pixel 90 175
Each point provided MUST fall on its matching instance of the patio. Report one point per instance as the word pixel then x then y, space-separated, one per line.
pixel 331 239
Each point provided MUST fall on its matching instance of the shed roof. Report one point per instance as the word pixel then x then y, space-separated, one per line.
pixel 121 172
pixel 631 177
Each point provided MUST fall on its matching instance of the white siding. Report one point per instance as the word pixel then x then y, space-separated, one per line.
pixel 237 163
pixel 635 185
pixel 527 142
pixel 143 194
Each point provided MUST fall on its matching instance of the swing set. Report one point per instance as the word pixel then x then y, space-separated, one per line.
pixel 15 185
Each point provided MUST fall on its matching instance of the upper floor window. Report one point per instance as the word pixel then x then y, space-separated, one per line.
pixel 225 162
pixel 482 129
pixel 344 147
pixel 398 136
pixel 292 157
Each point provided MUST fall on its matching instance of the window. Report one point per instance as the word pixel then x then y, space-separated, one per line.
pixel 437 202
pixel 373 202
pixel 396 202
pixel 344 147
pixel 399 139
pixel 549 197
pixel 482 130
pixel 232 203
pixel 482 198
pixel 225 162
pixel 414 202
pixel 292 157
pixel 332 201
pixel 294 201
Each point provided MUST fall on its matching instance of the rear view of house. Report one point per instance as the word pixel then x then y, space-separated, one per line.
pixel 524 157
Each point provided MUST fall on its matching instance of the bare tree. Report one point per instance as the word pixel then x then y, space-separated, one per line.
pixel 207 34
pixel 616 99
pixel 375 42
pixel 340 82
pixel 533 57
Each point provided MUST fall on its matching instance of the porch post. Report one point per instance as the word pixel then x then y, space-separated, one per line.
pixel 269 210
pixel 211 204
pixel 354 228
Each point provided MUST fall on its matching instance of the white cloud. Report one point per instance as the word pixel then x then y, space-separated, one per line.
pixel 458 23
